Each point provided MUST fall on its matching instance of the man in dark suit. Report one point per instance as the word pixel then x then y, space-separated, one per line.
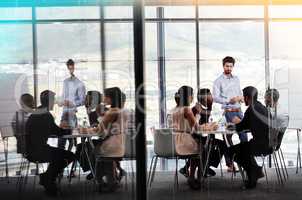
pixel 256 120
pixel 39 127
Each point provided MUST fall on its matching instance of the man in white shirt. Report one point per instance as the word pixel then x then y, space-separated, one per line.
pixel 74 93
pixel 227 92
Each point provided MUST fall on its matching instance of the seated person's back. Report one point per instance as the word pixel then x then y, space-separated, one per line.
pixel 39 127
pixel 19 121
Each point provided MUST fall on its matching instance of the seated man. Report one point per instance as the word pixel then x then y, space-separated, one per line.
pixel 256 119
pixel 27 104
pixel 39 127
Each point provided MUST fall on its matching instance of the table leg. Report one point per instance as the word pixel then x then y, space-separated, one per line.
pixel 209 149
pixel 298 153
pixel 88 158
pixel 5 145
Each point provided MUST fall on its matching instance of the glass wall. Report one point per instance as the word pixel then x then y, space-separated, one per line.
pixel 100 39
pixel 285 68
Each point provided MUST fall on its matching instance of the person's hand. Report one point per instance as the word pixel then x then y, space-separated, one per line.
pixel 210 126
pixel 100 110
pixel 198 107
pixel 231 127
pixel 240 99
pixel 236 99
pixel 64 125
pixel 68 103
pixel 214 126
pixel 88 130
pixel 233 100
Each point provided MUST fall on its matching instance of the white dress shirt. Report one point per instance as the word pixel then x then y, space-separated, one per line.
pixel 225 88
pixel 73 91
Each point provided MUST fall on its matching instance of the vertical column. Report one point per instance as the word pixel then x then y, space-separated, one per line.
pixel 161 74
pixel 267 61
pixel 161 67
pixel 35 53
pixel 197 45
pixel 140 121
pixel 266 39
pixel 103 46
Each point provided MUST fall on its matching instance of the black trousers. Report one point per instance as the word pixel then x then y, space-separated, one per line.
pixel 244 155
pixel 82 158
pixel 57 158
pixel 219 149
pixel 104 168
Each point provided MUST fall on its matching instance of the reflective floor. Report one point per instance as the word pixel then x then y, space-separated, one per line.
pixel 162 189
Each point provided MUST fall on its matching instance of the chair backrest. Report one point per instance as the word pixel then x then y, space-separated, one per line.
pixel 164 145
pixel 12 86
pixel 277 133
pixel 130 152
pixel 280 137
pixel 130 134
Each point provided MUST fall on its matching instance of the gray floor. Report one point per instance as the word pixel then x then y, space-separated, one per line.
pixel 162 189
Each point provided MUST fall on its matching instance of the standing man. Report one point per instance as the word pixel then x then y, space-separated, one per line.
pixel 73 96
pixel 227 92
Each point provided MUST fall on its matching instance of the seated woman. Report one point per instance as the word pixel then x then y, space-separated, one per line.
pixel 94 108
pixel 111 130
pixel 202 112
pixel 185 124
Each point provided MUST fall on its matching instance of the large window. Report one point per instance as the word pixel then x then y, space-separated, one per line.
pixel 242 40
pixel 285 73
pixel 77 41
pixel 180 58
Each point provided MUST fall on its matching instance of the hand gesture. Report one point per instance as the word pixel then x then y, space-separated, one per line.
pixel 68 103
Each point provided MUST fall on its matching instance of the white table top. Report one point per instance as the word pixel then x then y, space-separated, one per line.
pixel 219 131
pixel 76 134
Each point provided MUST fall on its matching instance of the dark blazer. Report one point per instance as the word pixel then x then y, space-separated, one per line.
pixel 39 127
pixel 204 115
pixel 93 118
pixel 256 120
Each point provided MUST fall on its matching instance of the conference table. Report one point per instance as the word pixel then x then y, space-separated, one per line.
pixel 86 139
pixel 209 144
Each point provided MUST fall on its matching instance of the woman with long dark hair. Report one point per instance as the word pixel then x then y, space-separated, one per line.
pixel 185 124
pixel 111 129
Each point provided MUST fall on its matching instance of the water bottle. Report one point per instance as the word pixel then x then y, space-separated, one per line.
pixel 85 124
pixel 222 122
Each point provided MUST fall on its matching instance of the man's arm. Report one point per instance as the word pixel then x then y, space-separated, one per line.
pixel 216 93
pixel 80 100
pixel 54 129
pixel 244 124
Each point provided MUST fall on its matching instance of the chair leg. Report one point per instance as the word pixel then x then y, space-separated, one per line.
pixel 150 170
pixel 221 172
pixel 176 174
pixel 20 178
pixel 284 162
pixel 5 146
pixel 36 173
pixel 153 171
pixel 234 172
pixel 241 171
pixel 281 165
pixel 264 167
pixel 277 169
pixel 26 176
